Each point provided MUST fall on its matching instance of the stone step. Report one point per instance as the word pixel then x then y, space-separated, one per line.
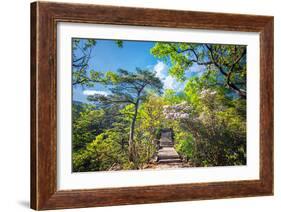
pixel 166 145
pixel 169 161
pixel 167 153
pixel 166 142
pixel 164 156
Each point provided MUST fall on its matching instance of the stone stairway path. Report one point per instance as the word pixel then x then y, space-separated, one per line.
pixel 167 152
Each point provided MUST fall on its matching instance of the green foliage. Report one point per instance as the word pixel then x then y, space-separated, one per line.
pixel 228 61
pixel 170 53
pixel 104 153
pixel 109 150
pixel 86 125
pixel 150 122
pixel 214 134
pixel 171 97
pixel 184 145
pixel 128 87
pixel 151 115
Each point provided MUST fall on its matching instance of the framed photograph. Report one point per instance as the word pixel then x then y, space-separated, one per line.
pixel 136 105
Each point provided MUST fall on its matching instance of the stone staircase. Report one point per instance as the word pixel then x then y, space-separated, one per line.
pixel 167 152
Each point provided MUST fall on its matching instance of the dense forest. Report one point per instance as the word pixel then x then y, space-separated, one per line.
pixel 119 129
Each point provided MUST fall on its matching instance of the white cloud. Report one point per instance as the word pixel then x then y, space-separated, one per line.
pixel 93 92
pixel 161 70
pixel 169 82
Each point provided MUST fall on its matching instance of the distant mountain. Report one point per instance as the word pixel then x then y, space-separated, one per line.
pixel 79 105
pixel 75 102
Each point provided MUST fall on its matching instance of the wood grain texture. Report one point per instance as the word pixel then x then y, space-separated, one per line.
pixel 45 16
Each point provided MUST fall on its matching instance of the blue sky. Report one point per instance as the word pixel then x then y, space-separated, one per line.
pixel 107 56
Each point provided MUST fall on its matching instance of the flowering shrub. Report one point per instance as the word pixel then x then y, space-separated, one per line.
pixel 178 111
pixel 207 94
pixel 214 134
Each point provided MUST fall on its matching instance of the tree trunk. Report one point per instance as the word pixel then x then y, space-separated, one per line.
pixel 132 130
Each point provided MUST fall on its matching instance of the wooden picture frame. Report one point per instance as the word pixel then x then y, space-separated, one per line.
pixel 44 19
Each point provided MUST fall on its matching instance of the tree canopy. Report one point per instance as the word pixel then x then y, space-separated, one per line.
pixel 227 63
pixel 129 88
